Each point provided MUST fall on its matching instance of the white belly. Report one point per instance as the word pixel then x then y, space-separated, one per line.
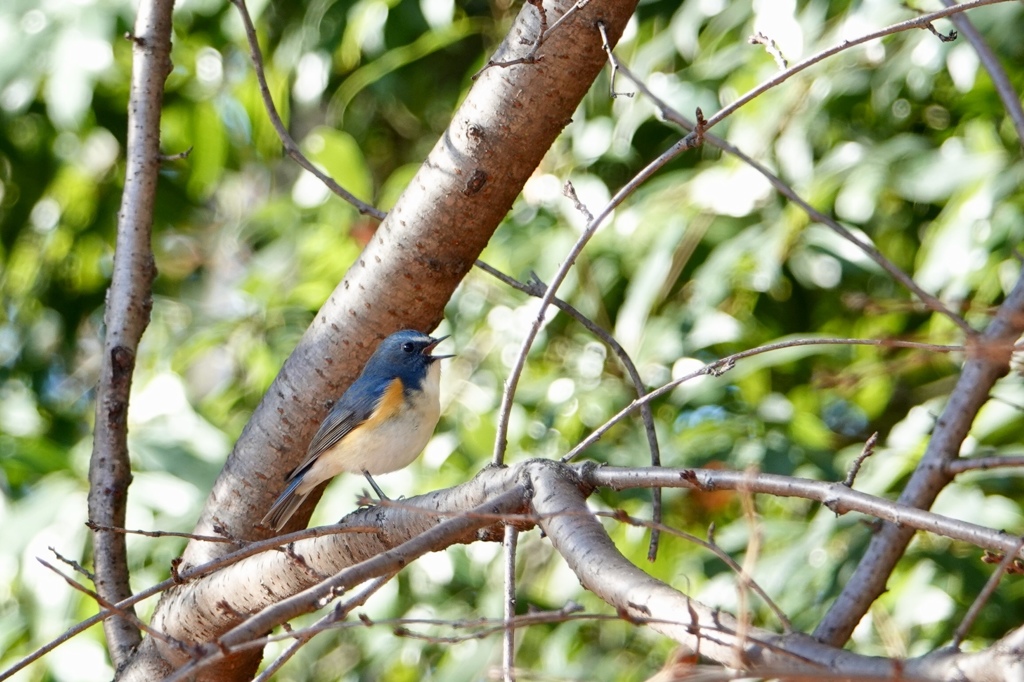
pixel 392 445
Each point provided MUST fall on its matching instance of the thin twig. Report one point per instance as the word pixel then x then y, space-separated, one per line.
pixel 568 13
pixel 508 637
pixel 865 452
pixel 194 573
pixel 746 575
pixel 833 495
pixel 921 22
pixel 933 302
pixel 1001 81
pixel 77 567
pixel 508 395
pixel 983 597
pixel 335 616
pixel 612 61
pixel 959 466
pixel 531 56
pixel 710 545
pixel 771 47
pixel 248 633
pixel 160 533
pixel 537 288
pixel 569 192
pixel 176 157
pixel 988 361
pixel 719 367
pixel 943 37
pixel 127 614
pixel 290 147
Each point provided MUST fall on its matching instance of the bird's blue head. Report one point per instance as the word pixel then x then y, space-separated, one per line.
pixel 405 355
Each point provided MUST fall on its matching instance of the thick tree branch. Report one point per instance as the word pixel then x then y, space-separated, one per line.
pixel 434 531
pixel 989 360
pixel 127 314
pixel 418 256
pixel 279 583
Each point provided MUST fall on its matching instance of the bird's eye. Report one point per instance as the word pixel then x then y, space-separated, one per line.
pixel 408 347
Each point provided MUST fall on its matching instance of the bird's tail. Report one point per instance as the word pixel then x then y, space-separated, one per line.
pixel 285 506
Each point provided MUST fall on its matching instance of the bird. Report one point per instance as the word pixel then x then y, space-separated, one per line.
pixel 380 424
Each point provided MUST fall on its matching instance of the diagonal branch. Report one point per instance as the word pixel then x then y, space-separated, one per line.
pixel 930 300
pixel 127 312
pixel 989 360
pixel 537 288
pixel 1003 85
pixel 250 632
pixel 290 147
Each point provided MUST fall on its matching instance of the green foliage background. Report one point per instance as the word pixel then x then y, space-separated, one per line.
pixel 904 140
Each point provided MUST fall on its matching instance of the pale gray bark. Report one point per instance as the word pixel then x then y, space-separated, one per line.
pixel 126 317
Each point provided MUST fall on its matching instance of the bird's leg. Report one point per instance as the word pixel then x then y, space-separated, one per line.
pixel 376 488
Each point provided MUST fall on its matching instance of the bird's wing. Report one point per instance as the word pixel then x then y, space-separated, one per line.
pixel 354 408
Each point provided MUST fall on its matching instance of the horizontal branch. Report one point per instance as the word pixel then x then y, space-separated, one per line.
pixel 835 495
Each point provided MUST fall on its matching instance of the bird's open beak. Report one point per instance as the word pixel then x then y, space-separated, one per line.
pixel 430 346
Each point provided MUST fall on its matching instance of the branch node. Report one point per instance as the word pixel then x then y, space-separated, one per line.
pixel 771 47
pixel 176 157
pixel 944 37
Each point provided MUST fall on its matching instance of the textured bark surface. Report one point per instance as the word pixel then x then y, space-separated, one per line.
pixel 407 273
pixel 129 301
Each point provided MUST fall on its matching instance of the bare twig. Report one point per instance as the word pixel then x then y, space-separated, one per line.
pixel 568 13
pixel 185 576
pixel 785 190
pixel 834 495
pixel 986 593
pixel 1000 79
pixel 537 288
pixel 988 361
pixel 77 567
pixel 335 616
pixel 248 633
pixel 569 191
pixel 866 451
pixel 719 367
pixel 176 157
pixel 688 142
pixel 920 22
pixel 543 33
pixel 746 574
pixel 943 37
pixel 959 466
pixel 126 614
pixel 712 547
pixel 508 395
pixel 290 147
pixel 160 533
pixel 508 637
pixel 531 56
pixel 612 61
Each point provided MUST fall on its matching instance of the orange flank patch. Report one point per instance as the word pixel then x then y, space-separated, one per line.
pixel 389 405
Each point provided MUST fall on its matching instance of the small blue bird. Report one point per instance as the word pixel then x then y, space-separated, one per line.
pixel 381 423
